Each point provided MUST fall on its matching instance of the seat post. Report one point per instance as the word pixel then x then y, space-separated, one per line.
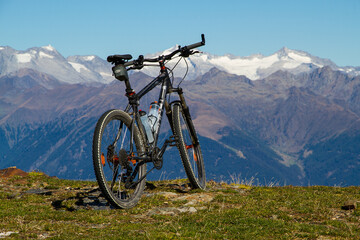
pixel 129 90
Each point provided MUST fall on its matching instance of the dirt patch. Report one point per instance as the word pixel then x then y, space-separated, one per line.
pixel 12 171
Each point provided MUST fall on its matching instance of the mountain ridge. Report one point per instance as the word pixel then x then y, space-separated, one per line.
pixel 90 69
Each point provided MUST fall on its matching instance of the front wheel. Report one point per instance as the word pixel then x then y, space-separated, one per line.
pixel 116 144
pixel 189 147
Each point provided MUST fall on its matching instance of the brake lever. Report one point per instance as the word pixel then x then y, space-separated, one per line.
pixel 187 52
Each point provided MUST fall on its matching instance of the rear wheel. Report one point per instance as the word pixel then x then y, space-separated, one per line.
pixel 189 147
pixel 116 170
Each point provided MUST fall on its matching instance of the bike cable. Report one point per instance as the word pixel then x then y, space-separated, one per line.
pixel 187 70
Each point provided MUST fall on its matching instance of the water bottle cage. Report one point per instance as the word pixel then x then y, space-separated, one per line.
pixel 152 121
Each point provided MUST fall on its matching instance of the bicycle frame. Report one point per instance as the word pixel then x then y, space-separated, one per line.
pixel 164 106
pixel 166 89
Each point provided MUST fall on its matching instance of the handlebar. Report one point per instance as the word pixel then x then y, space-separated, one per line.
pixel 195 45
pixel 184 51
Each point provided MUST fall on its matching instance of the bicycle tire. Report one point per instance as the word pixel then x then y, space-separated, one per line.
pixel 189 147
pixel 109 148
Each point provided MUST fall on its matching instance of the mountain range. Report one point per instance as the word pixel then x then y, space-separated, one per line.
pixel 288 118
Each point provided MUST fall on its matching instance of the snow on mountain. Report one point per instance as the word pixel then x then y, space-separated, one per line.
pixel 75 69
pixel 253 67
pixel 23 58
pixel 92 69
pixel 92 65
pixel 49 48
pixel 78 67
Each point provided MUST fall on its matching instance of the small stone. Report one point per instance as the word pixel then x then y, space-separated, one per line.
pixel 87 200
pixel 162 211
pixel 171 211
pixel 196 198
pixel 6 234
pixel 192 202
pixel 191 210
pixel 168 194
pixel 349 205
pixel 14 195
pixel 150 186
pixel 187 209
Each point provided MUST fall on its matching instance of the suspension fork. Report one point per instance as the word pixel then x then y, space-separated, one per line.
pixel 168 113
pixel 187 116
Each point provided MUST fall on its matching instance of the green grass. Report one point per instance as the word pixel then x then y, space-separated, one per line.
pixel 236 212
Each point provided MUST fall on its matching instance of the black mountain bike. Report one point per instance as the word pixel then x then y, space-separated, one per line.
pixel 126 141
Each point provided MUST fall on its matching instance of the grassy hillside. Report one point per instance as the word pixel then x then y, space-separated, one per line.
pixel 41 207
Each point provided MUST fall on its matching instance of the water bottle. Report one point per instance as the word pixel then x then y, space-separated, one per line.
pixel 145 121
pixel 153 116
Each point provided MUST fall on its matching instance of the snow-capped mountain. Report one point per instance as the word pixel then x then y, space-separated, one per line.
pixel 92 69
pixel 92 65
pixel 253 67
pixel 75 69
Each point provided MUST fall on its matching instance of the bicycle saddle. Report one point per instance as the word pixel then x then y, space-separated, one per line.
pixel 119 58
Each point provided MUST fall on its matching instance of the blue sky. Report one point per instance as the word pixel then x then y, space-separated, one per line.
pixel 328 29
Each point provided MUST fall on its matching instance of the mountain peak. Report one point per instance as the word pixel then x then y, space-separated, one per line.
pixel 287 52
pixel 49 48
pixel 284 50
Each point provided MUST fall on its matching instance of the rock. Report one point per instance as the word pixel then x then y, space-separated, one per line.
pixel 14 195
pixel 150 186
pixel 88 199
pixel 39 192
pixel 168 194
pixel 188 209
pixel 196 198
pixel 192 202
pixel 6 234
pixel 171 211
pixel 349 205
pixel 184 188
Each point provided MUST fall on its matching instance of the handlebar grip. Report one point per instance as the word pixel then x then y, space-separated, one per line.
pixel 199 44
pixel 151 60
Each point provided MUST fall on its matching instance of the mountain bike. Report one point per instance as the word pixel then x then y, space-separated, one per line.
pixel 125 142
